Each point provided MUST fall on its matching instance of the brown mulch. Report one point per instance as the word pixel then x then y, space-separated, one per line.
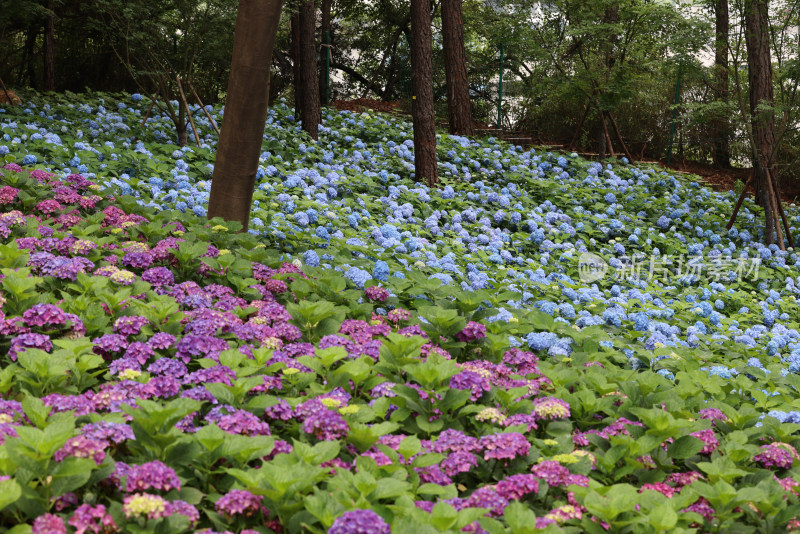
pixel 15 100
pixel 360 105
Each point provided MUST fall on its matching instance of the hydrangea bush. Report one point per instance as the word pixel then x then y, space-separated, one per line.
pixel 374 355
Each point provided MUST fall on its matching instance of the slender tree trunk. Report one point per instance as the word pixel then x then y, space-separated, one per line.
pixel 422 111
pixel 295 29
pixel 180 126
pixel 455 66
pixel 49 49
pixel 309 80
pixel 245 110
pixel 759 62
pixel 720 127
pixel 26 67
pixel 325 26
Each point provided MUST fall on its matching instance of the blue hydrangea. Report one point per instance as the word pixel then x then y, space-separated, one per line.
pixel 381 271
pixel 541 340
pixel 358 276
pixel 311 258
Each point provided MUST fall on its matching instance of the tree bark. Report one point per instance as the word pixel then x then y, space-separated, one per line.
pixel 325 26
pixel 309 80
pixel 239 146
pixel 762 117
pixel 180 125
pixel 455 65
pixel 295 29
pixel 720 127
pixel 49 49
pixel 422 112
pixel 26 67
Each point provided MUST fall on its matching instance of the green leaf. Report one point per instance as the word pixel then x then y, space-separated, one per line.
pixel 10 491
pixel 685 447
pixel 70 474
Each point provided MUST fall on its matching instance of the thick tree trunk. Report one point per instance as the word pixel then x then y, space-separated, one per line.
pixel 245 110
pixel 720 127
pixel 49 49
pixel 759 62
pixel 309 80
pixel 455 66
pixel 422 111
pixel 602 140
pixel 295 29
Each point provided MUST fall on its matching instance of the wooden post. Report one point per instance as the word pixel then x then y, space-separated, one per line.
pixel 739 202
pixel 147 115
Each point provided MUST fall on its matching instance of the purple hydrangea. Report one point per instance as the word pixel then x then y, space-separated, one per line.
pixel 359 522
pixel 472 332
pixel 23 342
pixel 158 276
pixel 152 475
pixel 44 315
pixel 130 325
pixel 504 446
pixel 239 502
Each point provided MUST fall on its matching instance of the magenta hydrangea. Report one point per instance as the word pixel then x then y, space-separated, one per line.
pixel 376 293
pixel 92 519
pixel 780 455
pixel 49 524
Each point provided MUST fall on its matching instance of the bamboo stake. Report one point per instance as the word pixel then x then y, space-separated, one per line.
pixel 619 137
pixel 773 201
pixel 773 181
pixel 189 112
pixel 739 202
pixel 147 115
pixel 210 118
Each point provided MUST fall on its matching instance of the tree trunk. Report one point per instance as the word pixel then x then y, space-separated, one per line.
pixel 295 29
pixel 180 126
pixel 325 26
pixel 602 141
pixel 719 127
pixel 422 111
pixel 762 116
pixel 455 66
pixel 49 49
pixel 245 110
pixel 309 80
pixel 26 67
